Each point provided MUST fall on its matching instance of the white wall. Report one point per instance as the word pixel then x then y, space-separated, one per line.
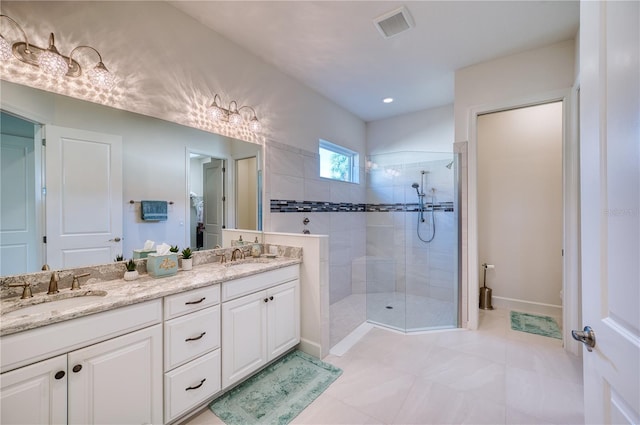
pixel 522 78
pixel 520 202
pixel 170 66
pixel 427 130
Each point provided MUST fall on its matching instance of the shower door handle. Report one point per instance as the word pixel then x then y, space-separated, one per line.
pixel 586 336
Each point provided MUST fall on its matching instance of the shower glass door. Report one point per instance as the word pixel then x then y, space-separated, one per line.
pixel 412 241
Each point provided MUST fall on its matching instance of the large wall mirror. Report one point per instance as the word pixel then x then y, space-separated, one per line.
pixel 82 188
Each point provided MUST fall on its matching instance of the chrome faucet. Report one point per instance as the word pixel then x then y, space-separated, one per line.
pixel 53 283
pixel 76 283
pixel 233 254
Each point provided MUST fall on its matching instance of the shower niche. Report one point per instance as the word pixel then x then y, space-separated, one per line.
pixel 411 262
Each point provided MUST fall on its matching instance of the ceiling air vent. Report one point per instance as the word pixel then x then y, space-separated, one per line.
pixel 394 22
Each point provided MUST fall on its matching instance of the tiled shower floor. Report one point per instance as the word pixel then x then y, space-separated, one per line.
pixel 422 312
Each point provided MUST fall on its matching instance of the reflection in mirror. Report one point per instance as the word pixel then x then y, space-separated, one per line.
pixel 156 165
pixel 247 193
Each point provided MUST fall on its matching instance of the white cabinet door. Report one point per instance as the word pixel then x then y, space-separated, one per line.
pixel 244 333
pixel 35 394
pixel 283 318
pixel 118 381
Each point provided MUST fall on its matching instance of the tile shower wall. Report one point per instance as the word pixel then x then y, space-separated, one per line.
pixel 396 259
pixel 292 174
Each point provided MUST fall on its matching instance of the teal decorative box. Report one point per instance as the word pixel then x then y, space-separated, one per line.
pixel 142 253
pixel 162 265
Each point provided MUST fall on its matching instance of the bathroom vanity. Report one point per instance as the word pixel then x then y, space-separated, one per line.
pixel 147 351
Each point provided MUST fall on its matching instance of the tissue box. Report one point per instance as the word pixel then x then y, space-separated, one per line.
pixel 142 253
pixel 162 265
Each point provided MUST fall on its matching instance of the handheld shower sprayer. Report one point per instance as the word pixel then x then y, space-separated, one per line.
pixel 416 186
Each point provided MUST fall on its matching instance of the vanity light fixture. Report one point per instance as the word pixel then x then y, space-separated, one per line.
pixel 232 115
pixel 51 62
pixel 387 100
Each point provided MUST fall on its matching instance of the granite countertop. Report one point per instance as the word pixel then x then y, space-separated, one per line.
pixel 120 293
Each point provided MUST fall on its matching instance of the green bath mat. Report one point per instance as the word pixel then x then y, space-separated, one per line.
pixel 278 393
pixel 534 324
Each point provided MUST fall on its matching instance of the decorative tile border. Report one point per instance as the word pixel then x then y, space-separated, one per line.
pixel 288 206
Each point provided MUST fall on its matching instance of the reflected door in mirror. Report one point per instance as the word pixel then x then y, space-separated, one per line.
pixel 84 197
pixel 213 173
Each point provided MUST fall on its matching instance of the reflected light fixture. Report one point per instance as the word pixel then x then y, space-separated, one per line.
pixel 232 114
pixel 387 100
pixel 51 62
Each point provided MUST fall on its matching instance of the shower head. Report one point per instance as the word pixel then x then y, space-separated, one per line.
pixel 449 165
pixel 416 186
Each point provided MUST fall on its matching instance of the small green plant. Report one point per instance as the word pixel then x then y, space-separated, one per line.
pixel 119 257
pixel 186 253
pixel 131 265
pixel 174 248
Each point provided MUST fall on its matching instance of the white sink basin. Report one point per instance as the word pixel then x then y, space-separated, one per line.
pixel 56 303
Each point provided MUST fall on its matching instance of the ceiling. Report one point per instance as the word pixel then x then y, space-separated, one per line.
pixel 335 48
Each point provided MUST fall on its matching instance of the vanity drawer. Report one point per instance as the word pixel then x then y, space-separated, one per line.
pixel 190 336
pixel 191 384
pixel 186 302
pixel 250 284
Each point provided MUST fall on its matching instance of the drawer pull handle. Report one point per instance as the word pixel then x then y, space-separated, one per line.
pixel 197 386
pixel 196 338
pixel 195 302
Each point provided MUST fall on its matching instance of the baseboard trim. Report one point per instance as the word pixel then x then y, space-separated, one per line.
pixel 527 306
pixel 311 348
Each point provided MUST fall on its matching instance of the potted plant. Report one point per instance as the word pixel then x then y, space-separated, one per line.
pixel 119 257
pixel 187 261
pixel 131 273
pixel 174 248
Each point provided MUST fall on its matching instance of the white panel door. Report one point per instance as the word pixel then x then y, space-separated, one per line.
pixel 610 208
pixel 283 318
pixel 84 197
pixel 35 394
pixel 18 227
pixel 118 381
pixel 213 173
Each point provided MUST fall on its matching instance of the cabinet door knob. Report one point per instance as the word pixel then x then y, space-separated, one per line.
pixel 271 298
pixel 195 302
pixel 266 300
pixel 195 338
pixel 197 386
pixel 77 368
pixel 59 375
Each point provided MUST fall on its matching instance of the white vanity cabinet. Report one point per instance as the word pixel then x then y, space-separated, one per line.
pixel 35 394
pixel 191 349
pixel 260 321
pixel 117 380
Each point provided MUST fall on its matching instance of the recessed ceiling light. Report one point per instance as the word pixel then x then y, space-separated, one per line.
pixel 387 100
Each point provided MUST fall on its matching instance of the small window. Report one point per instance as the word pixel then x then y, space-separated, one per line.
pixel 338 163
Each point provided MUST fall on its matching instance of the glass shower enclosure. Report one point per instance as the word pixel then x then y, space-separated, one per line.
pixel 412 253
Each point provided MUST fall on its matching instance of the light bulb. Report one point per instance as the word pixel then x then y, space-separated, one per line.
pixel 255 125
pixel 52 63
pixel 235 119
pixel 101 77
pixel 5 49
pixel 215 112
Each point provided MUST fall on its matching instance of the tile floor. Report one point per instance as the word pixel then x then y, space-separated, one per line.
pixel 491 376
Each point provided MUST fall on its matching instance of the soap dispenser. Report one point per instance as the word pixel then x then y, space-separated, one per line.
pixel 256 249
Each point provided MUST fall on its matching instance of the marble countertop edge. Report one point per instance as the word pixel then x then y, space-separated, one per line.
pixel 121 293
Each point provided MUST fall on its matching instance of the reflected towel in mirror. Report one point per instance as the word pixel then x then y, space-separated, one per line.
pixel 154 210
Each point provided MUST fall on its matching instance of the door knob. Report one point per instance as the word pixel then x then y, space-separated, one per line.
pixel 586 336
pixel 116 239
